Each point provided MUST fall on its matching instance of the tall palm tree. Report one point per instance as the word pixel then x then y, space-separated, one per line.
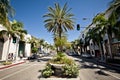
pixel 41 44
pixel 6 11
pixel 42 41
pixel 114 18
pixel 106 26
pixel 114 4
pixel 59 19
pixel 34 41
pixel 81 45
pixel 95 34
pixel 17 28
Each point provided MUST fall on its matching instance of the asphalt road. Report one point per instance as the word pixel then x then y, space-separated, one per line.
pixel 26 71
pixel 31 71
pixel 92 71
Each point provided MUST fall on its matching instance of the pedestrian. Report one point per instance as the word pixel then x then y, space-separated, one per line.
pixel 11 56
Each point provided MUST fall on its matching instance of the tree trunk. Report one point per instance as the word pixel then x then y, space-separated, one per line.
pixel 101 51
pixel 60 36
pixel 110 45
pixel 106 49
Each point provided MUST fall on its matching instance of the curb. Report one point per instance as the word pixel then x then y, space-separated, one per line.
pixel 7 66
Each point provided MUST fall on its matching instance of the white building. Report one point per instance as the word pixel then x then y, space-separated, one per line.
pixel 10 50
pixel 27 45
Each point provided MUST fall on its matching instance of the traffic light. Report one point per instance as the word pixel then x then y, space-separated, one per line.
pixel 14 39
pixel 78 27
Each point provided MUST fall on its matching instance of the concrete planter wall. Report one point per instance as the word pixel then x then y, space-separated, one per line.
pixel 58 68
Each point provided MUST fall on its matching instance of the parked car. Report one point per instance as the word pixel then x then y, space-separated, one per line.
pixel 72 54
pixel 32 57
pixel 86 55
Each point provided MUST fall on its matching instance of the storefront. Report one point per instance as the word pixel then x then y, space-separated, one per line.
pixel 116 48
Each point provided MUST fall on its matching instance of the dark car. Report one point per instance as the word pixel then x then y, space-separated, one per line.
pixel 34 56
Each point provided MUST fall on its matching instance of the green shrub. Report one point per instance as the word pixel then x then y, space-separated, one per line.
pixel 68 61
pixel 7 63
pixel 61 58
pixel 47 72
pixel 58 58
pixel 70 70
pixel 34 50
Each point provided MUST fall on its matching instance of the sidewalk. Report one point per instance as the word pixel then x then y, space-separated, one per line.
pixel 13 64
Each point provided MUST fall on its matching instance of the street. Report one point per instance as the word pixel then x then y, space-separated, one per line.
pixel 26 71
pixel 31 71
pixel 92 71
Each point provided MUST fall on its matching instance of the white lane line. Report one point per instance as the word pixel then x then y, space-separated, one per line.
pixel 112 75
pixel 15 72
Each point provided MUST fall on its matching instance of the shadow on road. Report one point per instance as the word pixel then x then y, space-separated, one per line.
pixel 100 72
pixel 93 64
pixel 44 59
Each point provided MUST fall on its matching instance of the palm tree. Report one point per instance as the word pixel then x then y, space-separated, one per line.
pixel 6 11
pixel 59 20
pixel 41 42
pixel 17 29
pixel 106 26
pixel 96 35
pixel 114 4
pixel 81 46
pixel 114 18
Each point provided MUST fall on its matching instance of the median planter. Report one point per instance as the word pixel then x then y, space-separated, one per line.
pixel 58 69
pixel 62 67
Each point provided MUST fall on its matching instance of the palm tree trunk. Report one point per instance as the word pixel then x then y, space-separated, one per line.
pixel 102 53
pixel 60 36
pixel 110 46
pixel 100 50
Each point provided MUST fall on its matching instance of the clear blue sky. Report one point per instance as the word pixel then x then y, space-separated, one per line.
pixel 30 12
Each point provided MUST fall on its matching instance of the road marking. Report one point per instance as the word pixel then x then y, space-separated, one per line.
pixel 112 75
pixel 15 72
